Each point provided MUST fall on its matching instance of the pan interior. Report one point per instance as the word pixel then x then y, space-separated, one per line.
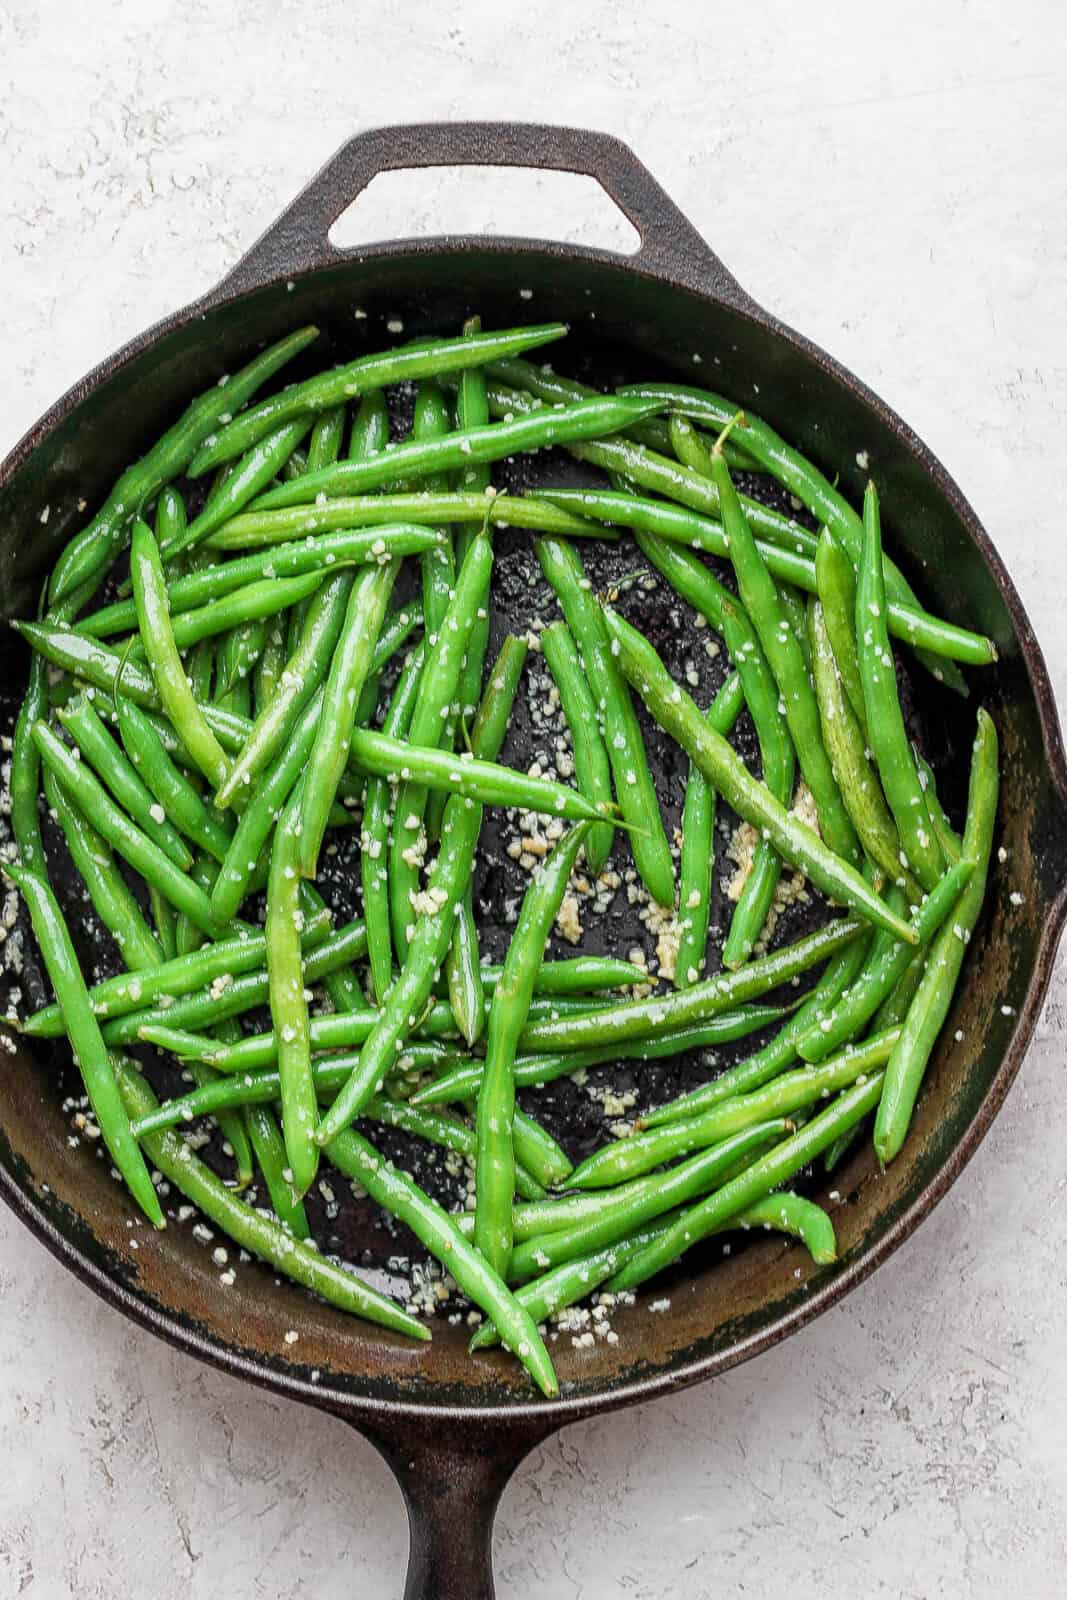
pixel 624 328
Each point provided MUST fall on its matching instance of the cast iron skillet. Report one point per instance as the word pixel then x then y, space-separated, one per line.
pixel 453 1430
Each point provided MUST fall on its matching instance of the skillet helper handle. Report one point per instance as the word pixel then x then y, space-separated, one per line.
pixel 671 247
pixel 452 1473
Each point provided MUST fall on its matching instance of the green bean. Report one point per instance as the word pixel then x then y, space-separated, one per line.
pixel 172 685
pixel 398 1194
pixel 254 472
pixel 844 742
pixel 259 1235
pixel 906 621
pixel 83 1030
pixel 472 411
pixel 934 995
pixel 170 787
pixel 288 1008
pixel 420 458
pixel 263 1088
pixel 225 959
pixel 620 1211
pixel 674 710
pixel 779 1052
pixel 448 880
pixel 202 1009
pixel 591 764
pixel 273 1163
pixel 763 604
pixel 107 889
pixel 471 777
pixel 799 476
pixel 90 735
pixel 777 1166
pixel 25 776
pixel 894 1008
pixel 462 969
pixel 432 421
pixel 779 770
pixel 466 996
pixel 304 672
pixel 948 838
pixel 327 436
pixel 495 1166
pixel 884 969
pixel 202 873
pixel 634 788
pixel 269 667
pixel 537 1152
pixel 124 836
pixel 534 1071
pixel 437 690
pixel 165 920
pixel 641 1019
pixel 240 650
pixel 256 822
pixel 348 672
pixel 793 1091
pixel 835 582
pixel 572 1281
pixel 371 372
pixel 575 975
pixel 370 426
pixel 885 719
pixel 92 551
pixel 696 865
pixel 374 838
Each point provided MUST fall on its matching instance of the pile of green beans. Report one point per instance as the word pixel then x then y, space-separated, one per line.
pixel 255 685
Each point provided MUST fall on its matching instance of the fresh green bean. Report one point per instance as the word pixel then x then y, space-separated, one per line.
pixel 466 996
pixel 172 685
pixel 370 426
pixel 634 788
pixel 92 551
pixel 835 582
pixel 779 771
pixel 790 565
pixel 304 672
pixel 327 436
pixel 799 476
pixel 254 472
pixel 763 604
pixel 697 861
pixel 933 997
pixel 170 787
pixel 575 975
pixel 273 1162
pixel 437 690
pixel 165 920
pixel 223 961
pixel 845 746
pixel 884 970
pixel 448 880
pixel 620 1211
pixel 288 1007
pixel 259 1235
pixel 532 1072
pixel 432 421
pixel 83 1030
pixel 94 741
pixel 107 889
pixel 348 672
pixel 777 1166
pixel 402 1198
pixel 793 1091
pixel 472 411
pixel 885 719
pixel 674 710
pixel 420 458
pixel 131 842
pixel 591 764
pixel 374 838
pixel 495 1165
pixel 370 372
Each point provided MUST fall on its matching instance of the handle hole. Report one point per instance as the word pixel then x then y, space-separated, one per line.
pixel 485 200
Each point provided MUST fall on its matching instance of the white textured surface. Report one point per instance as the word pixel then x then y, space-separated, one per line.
pixel 895 186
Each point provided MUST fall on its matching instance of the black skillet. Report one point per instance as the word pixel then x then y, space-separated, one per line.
pixel 453 1430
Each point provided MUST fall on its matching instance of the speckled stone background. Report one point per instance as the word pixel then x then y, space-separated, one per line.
pixel 894 181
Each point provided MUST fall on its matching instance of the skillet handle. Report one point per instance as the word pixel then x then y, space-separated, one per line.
pixel 452 1473
pixel 298 241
